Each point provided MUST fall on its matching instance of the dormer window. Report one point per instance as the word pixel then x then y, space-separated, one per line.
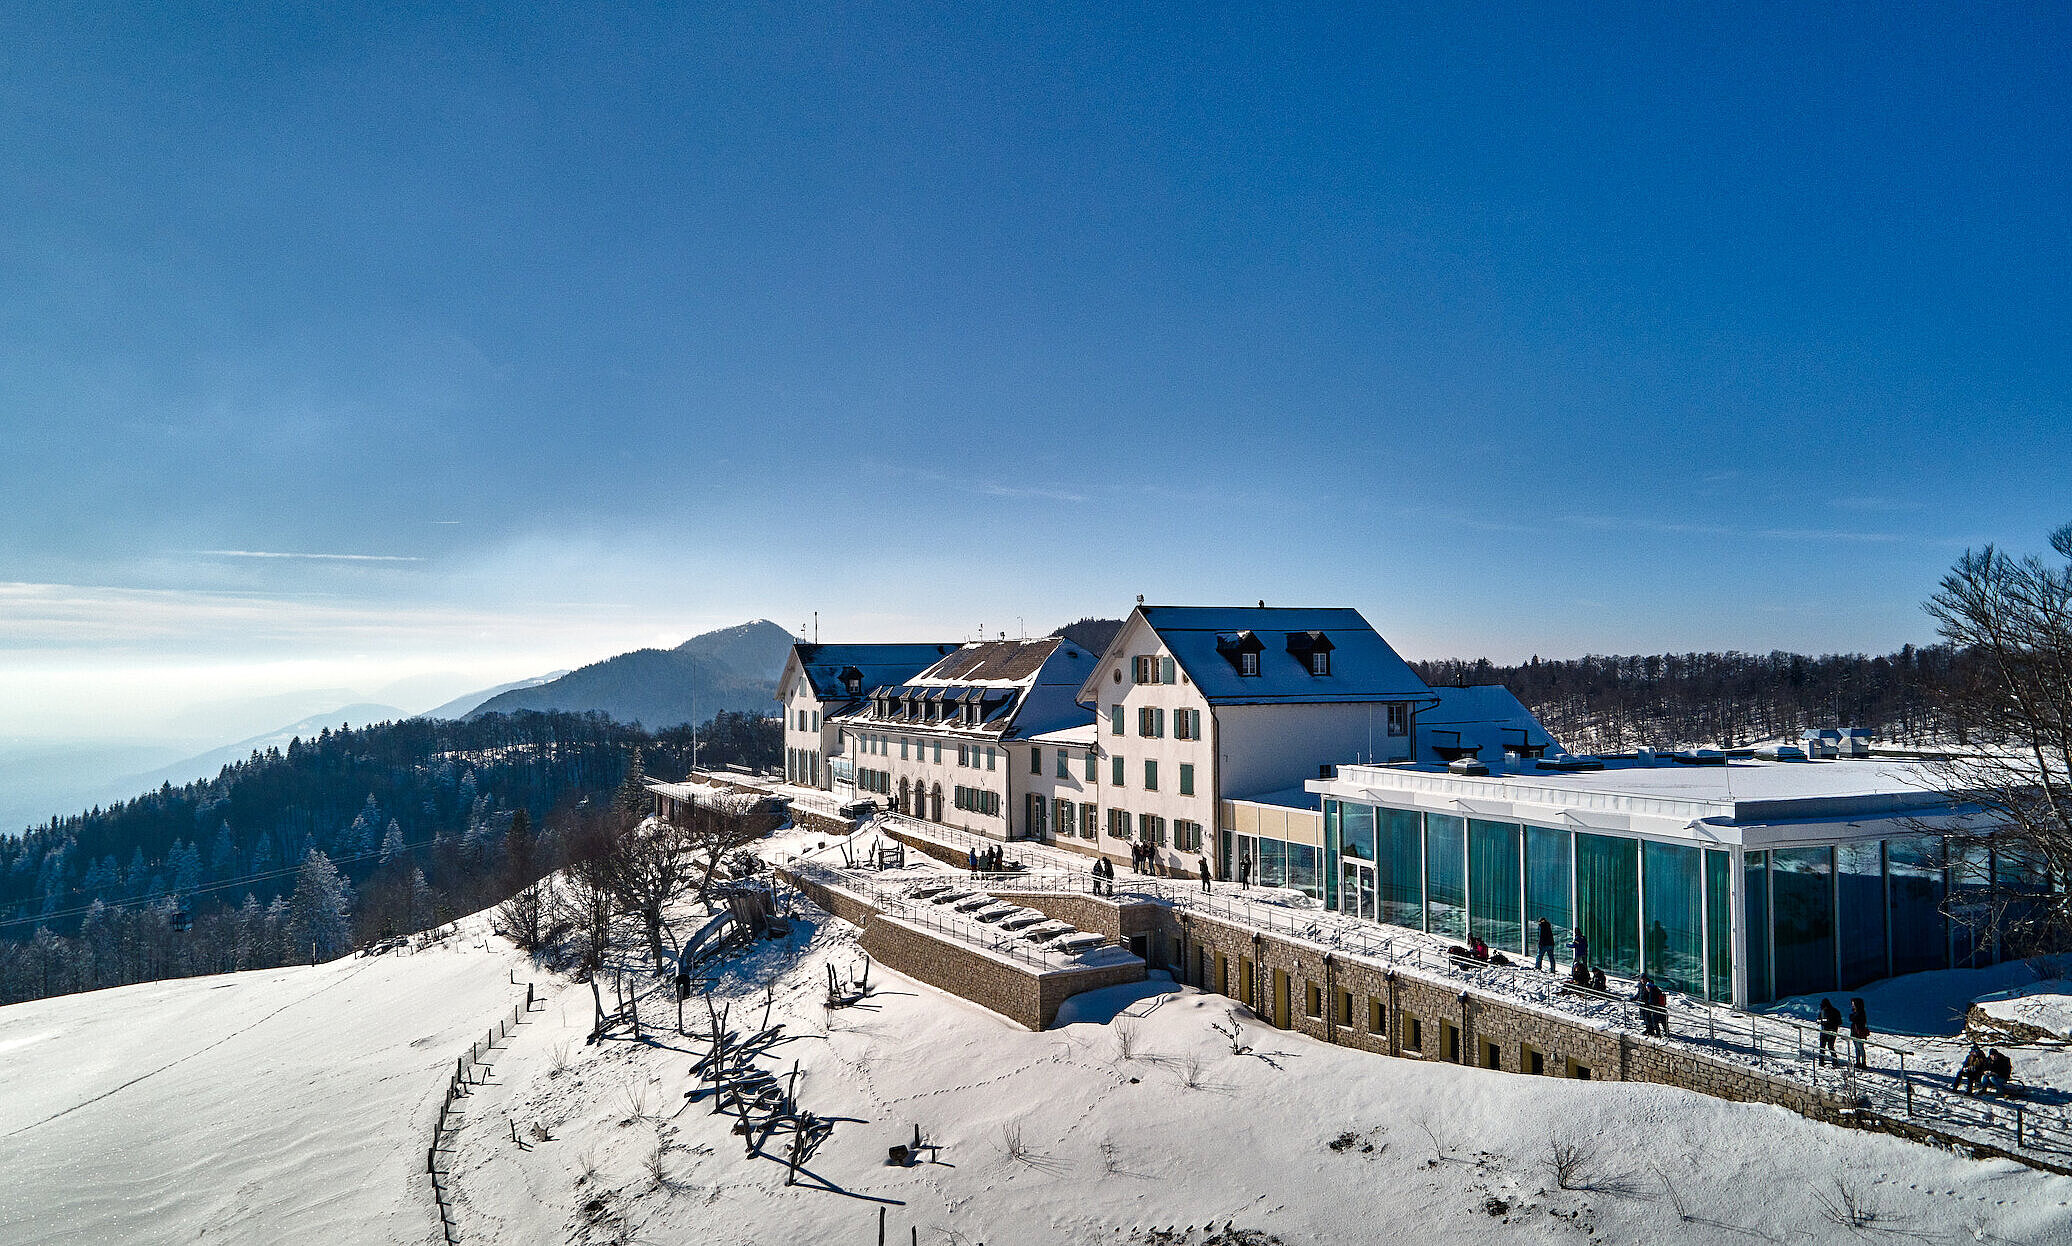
pixel 1241 650
pixel 852 681
pixel 1313 650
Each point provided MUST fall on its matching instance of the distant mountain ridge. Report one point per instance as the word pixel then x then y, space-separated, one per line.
pixel 735 668
pixel 461 706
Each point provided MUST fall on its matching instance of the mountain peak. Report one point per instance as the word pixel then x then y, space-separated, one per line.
pixel 734 668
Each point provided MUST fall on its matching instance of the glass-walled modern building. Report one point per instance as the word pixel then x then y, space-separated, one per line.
pixel 1747 881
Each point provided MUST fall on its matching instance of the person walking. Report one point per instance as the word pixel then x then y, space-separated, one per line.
pixel 1859 1029
pixel 1546 947
pixel 1204 872
pixel 1830 1022
pixel 1244 870
pixel 1644 995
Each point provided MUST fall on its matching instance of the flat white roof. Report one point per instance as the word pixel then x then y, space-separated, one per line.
pixel 1745 801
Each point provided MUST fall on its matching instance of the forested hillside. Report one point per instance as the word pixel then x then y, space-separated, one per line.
pixel 351 836
pixel 1730 700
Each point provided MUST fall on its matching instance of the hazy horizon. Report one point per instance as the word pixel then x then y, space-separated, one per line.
pixel 352 345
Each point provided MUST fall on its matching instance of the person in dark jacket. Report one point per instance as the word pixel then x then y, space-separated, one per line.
pixel 1546 952
pixel 1652 1014
pixel 1244 870
pixel 1204 873
pixel 971 857
pixel 1859 1030
pixel 1999 1070
pixel 1597 981
pixel 1830 1022
pixel 1968 1073
pixel 1579 947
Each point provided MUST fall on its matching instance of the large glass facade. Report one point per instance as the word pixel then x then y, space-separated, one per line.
pixel 1813 919
pixel 1802 898
pixel 1273 862
pixel 1547 880
pixel 1719 924
pixel 1674 943
pixel 1608 900
pixel 1446 876
pixel 1495 887
pixel 1401 847
pixel 1860 912
pixel 1920 932
pixel 1755 922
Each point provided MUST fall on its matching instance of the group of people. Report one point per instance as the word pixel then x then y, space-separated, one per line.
pixel 1994 1069
pixel 988 861
pixel 1479 951
pixel 1831 1024
pixel 1104 877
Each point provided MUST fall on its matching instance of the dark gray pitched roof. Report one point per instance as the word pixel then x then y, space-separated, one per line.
pixel 1363 666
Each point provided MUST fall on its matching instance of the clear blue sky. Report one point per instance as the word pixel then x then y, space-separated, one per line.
pixel 1522 331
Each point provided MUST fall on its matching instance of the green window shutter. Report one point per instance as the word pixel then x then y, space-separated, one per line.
pixel 1165 671
pixel 1116 767
pixel 1150 775
pixel 1186 779
pixel 1115 720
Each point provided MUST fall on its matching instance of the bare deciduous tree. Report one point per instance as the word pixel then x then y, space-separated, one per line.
pixel 2013 618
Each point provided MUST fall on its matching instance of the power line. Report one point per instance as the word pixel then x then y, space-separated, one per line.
pixel 241 881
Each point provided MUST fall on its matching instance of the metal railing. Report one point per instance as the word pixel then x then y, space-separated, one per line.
pixel 950 924
pixel 1781 1048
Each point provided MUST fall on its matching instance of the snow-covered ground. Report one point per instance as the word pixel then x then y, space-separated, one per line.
pixel 295 1105
pixel 283 1105
pixel 1136 1117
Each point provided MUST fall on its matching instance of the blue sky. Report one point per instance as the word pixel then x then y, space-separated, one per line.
pixel 532 337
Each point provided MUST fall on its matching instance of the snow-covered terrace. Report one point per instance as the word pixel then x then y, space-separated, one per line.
pixel 1909 1080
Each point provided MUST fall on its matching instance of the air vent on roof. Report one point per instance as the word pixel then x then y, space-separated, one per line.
pixel 1466 765
pixel 1701 757
pixel 1782 752
pixel 1570 762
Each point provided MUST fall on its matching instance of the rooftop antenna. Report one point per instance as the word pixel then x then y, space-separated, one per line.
pixel 1023 624
pixel 816 627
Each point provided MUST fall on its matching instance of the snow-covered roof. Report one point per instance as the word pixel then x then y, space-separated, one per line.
pixel 1080 734
pixel 1744 801
pixel 1486 718
pixel 1025 688
pixel 824 666
pixel 1205 640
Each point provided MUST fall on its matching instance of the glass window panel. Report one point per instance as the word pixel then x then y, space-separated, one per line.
pixel 1971 875
pixel 1674 946
pixel 1331 853
pixel 1446 876
pixel 1494 885
pixel 1608 900
pixel 1401 848
pixel 1547 880
pixel 1920 932
pixel 1357 831
pixel 1803 944
pixel 1755 923
pixel 1719 924
pixel 1302 869
pixel 1273 863
pixel 1860 919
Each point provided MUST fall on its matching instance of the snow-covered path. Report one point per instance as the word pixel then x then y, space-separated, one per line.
pixel 279 1105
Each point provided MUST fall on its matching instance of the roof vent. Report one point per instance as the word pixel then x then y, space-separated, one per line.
pixel 1700 757
pixel 1782 752
pixel 1569 762
pixel 1466 765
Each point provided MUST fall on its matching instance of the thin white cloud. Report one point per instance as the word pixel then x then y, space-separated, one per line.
pixel 268 553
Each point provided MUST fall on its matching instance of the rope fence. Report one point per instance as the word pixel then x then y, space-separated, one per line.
pixel 469 1071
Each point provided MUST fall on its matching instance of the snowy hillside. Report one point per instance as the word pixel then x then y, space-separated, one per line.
pixel 1136 1121
pixel 295 1105
pixel 274 1106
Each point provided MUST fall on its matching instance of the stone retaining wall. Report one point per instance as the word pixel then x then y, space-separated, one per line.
pixel 1297 986
pixel 1023 993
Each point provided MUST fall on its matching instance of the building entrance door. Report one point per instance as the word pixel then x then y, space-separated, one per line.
pixel 1356 889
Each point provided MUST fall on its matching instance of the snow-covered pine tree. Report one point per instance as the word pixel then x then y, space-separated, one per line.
pixel 318 924
pixel 392 842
